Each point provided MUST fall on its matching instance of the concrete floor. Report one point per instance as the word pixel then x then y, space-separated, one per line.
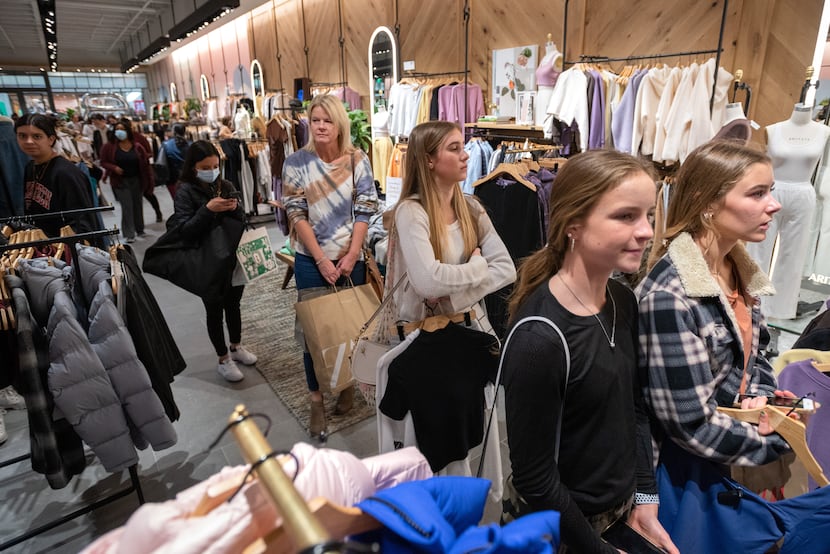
pixel 205 401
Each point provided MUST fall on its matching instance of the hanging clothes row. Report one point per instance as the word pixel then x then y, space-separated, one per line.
pixel 99 354
pixel 341 91
pixel 662 112
pixel 414 100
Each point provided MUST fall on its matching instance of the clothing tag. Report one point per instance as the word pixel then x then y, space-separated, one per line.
pixel 754 125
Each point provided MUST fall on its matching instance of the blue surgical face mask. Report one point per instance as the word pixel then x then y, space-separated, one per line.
pixel 207 175
pixel 121 134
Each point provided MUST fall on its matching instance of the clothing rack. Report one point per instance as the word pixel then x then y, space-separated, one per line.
pixel 741 85
pixel 439 74
pixel 716 51
pixel 135 483
pixel 63 214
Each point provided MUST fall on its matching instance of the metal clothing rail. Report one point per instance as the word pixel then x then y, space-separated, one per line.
pixel 50 215
pixel 439 74
pixel 716 51
pixel 590 58
pixel 135 487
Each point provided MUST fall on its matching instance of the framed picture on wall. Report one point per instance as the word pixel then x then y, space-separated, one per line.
pixel 514 71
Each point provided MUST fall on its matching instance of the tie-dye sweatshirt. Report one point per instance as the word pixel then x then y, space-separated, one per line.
pixel 321 193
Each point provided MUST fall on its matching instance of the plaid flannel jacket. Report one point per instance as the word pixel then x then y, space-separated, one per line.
pixel 692 352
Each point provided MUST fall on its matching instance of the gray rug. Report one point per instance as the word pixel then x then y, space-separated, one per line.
pixel 268 329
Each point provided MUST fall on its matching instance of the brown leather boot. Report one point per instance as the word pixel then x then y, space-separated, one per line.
pixel 344 401
pixel 317 426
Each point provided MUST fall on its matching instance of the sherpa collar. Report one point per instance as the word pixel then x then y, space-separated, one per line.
pixel 696 279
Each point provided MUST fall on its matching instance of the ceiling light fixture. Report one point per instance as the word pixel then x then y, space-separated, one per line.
pixel 204 15
pixel 49 27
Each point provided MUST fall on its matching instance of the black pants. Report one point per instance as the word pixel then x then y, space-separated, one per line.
pixel 229 307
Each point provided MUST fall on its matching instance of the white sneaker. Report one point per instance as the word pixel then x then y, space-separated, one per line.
pixel 11 400
pixel 229 371
pixel 3 435
pixel 243 356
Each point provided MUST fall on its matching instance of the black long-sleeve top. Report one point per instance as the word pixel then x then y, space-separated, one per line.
pixel 55 187
pixel 605 444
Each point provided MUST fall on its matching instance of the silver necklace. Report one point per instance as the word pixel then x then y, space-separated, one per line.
pixel 610 339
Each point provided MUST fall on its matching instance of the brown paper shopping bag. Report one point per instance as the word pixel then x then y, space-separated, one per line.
pixel 330 324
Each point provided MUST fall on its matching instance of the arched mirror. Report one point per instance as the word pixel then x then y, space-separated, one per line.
pixel 204 87
pixel 257 83
pixel 173 96
pixel 383 73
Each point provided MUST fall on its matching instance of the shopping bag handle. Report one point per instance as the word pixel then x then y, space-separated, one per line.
pixel 387 297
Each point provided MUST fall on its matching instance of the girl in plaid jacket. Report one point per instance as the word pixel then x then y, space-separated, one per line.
pixel 701 326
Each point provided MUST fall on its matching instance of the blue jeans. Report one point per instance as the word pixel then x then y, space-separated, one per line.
pixel 307 276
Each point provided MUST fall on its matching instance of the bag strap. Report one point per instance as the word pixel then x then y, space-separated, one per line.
pixel 386 299
pixel 559 332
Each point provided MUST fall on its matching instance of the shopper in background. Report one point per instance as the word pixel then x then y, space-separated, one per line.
pixel 327 227
pixel 51 182
pixel 175 149
pixel 96 131
pixel 127 163
pixel 589 451
pixel 202 200
pixel 145 142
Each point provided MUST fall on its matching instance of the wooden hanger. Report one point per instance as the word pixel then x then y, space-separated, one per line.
pixel 339 521
pixel 793 431
pixel 436 322
pixel 822 367
pixel 511 170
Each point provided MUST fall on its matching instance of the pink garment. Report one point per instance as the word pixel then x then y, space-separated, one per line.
pixel 475 103
pixel 231 527
pixel 546 73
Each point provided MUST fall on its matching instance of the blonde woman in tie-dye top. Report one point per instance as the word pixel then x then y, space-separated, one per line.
pixel 327 226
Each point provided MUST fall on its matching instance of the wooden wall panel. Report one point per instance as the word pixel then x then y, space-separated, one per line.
pixel 322 30
pixel 264 44
pixel 432 34
pixel 360 19
pixel 290 36
pixel 789 50
pixel 509 25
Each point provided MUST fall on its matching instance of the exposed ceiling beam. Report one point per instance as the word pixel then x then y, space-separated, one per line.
pixel 96 6
pixel 124 30
pixel 38 24
pixel 6 36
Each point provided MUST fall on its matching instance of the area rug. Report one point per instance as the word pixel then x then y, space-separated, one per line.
pixel 268 329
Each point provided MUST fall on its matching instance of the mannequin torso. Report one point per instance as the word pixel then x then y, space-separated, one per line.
pixel 547 73
pixel 796 145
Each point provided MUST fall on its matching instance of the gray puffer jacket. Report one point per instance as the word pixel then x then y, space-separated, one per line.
pixel 77 380
pixel 113 344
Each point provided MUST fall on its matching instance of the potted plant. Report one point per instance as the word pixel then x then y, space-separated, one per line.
pixel 360 130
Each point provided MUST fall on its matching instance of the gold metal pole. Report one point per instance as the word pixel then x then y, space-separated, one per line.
pixel 300 524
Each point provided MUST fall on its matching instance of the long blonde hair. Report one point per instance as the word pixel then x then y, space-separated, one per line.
pixel 419 186
pixel 578 187
pixel 335 110
pixel 706 176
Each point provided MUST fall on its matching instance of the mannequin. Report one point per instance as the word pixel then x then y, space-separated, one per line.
pixel 547 72
pixel 795 146
pixel 242 123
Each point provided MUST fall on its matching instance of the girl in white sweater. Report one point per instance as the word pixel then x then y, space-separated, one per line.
pixel 446 241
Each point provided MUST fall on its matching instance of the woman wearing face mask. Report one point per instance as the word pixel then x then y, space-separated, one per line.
pixel 52 183
pixel 202 201
pixel 128 167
